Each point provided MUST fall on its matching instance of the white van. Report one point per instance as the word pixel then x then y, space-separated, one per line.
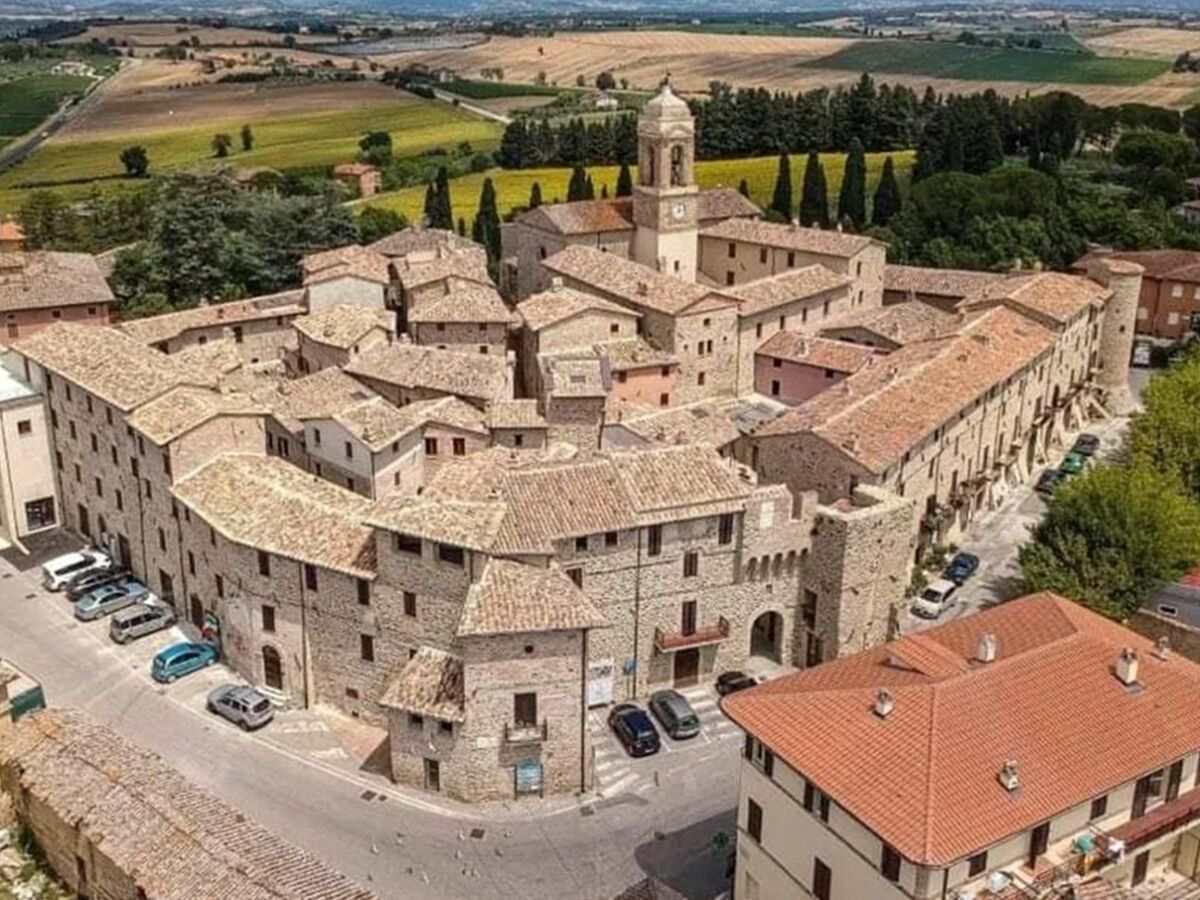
pixel 58 571
pixel 935 599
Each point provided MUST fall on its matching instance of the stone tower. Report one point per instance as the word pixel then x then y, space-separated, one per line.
pixel 1124 279
pixel 665 198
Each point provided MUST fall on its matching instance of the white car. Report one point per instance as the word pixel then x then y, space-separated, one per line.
pixel 58 571
pixel 935 599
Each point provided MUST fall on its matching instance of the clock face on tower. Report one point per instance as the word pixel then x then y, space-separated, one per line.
pixel 678 210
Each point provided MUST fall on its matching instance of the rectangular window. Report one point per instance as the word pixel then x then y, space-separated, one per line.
pixel 754 820
pixel 581 544
pixel 191 563
pixel 366 647
pixel 460 446
pixel 410 604
pixel 406 543
pixel 431 446
pixel 725 529
pixel 1099 808
pixel 364 592
pixel 449 554
pixel 99 488
pixel 316 437
pixel 268 619
pixel 732 250
pixel 822 880
pixel 220 583
pixel 889 863
pixel 40 513
pixel 576 575
pixel 310 577
pixel 349 450
pixel 610 539
pixel 977 864
pixel 654 540
pixel 120 501
pixel 691 564
pixel 162 541
pixel 525 709
pixel 24 427
pixel 264 563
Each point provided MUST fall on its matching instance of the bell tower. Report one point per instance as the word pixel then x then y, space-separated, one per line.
pixel 666 198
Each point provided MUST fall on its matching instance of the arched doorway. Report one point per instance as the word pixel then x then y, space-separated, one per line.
pixel 272 668
pixel 766 636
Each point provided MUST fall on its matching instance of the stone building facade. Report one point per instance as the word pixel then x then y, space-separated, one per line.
pixel 39 288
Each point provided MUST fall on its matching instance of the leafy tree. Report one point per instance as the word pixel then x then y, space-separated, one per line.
pixel 47 222
pixel 781 199
pixel 1111 536
pixel 535 195
pixel 135 160
pixel 605 81
pixel 1191 123
pixel 624 181
pixel 247 138
pixel 1147 150
pixel 221 144
pixel 1166 435
pixel 814 200
pixel 887 196
pixel 376 222
pixel 852 202
pixel 376 148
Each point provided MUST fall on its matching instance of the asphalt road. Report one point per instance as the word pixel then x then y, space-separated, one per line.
pixel 656 816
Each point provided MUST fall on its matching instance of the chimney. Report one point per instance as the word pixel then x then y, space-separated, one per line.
pixel 884 703
pixel 643 288
pixel 795 223
pixel 1162 648
pixel 1008 775
pixel 556 283
pixel 987 649
pixel 1127 667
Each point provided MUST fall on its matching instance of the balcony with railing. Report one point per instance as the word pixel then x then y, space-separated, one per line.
pixel 525 732
pixel 667 641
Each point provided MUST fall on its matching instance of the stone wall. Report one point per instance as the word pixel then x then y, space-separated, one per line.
pixel 465 337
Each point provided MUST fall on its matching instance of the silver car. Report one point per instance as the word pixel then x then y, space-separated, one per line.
pixel 140 620
pixel 244 706
pixel 109 598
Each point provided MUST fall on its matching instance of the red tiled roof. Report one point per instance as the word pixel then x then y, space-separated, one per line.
pixel 1177 264
pixel 924 779
pixel 840 356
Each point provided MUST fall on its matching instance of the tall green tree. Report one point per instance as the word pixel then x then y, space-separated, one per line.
pixel 247 137
pixel 221 144
pixel 852 201
pixel 744 188
pixel 781 198
pixel 535 195
pixel 47 222
pixel 887 196
pixel 589 189
pixel 430 208
pixel 814 200
pixel 1166 435
pixel 443 209
pixel 624 181
pixel 1111 537
pixel 577 186
pixel 135 160
pixel 487 223
pixel 376 222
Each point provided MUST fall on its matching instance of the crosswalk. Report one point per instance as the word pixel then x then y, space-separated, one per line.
pixel 617 773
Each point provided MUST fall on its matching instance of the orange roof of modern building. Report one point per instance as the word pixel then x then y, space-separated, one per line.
pixel 1180 265
pixel 924 778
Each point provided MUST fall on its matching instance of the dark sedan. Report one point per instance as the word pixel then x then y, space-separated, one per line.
pixel 961 567
pixel 1086 445
pixel 732 682
pixel 1049 482
pixel 634 729
pixel 84 584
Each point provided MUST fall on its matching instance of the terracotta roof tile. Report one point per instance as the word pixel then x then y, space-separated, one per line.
pixel 11 230
pixel 181 409
pixel 176 840
pixel 154 329
pixel 633 284
pixel 898 323
pixel 724 203
pixel 949 283
pixel 1052 294
pixel 414 272
pixel 574 375
pixel 269 504
pixel 1167 263
pixel 430 684
pixel 925 777
pixel 320 395
pixel 378 423
pixel 424 241
pixel 344 325
pixel 895 401
pixel 514 414
pixel 351 260
pixel 710 423
pixel 560 303
pixel 471 375
pixel 40 279
pixel 511 597
pixel 839 356
pixel 764 294
pixel 789 237
pixel 463 301
pixel 616 215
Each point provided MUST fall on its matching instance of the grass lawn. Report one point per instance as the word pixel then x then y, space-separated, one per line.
pixel 25 102
pixel 297 141
pixel 513 185
pixel 937 59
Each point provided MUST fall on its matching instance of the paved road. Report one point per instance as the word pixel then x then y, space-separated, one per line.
pixel 464 103
pixel 652 816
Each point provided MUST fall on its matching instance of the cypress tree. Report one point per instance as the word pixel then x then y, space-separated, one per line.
pixel 852 202
pixel 744 189
pixel 535 195
pixel 577 186
pixel 887 195
pixel 814 201
pixel 781 200
pixel 589 189
pixel 487 222
pixel 443 213
pixel 430 203
pixel 624 181
pixel 462 227
pixel 604 192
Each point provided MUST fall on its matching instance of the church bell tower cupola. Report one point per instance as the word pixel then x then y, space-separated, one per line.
pixel 665 198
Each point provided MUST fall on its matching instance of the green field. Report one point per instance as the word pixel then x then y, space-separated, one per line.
pixel 935 59
pixel 492 90
pixel 25 102
pixel 513 185
pixel 291 142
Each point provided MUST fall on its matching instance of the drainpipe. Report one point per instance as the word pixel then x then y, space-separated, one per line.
pixel 637 611
pixel 583 711
pixel 303 632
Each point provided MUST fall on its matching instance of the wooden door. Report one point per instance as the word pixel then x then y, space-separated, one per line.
pixel 687 667
pixel 1141 863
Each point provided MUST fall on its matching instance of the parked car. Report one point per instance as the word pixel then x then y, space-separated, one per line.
pixel 1086 444
pixel 140 620
pixel 1048 483
pixel 243 706
pixel 1072 464
pixel 675 714
pixel 634 730
pixel 87 582
pixel 935 599
pixel 109 598
pixel 182 659
pixel 58 571
pixel 732 682
pixel 961 567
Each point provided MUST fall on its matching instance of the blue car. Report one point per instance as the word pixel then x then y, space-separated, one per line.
pixel 181 659
pixel 961 568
